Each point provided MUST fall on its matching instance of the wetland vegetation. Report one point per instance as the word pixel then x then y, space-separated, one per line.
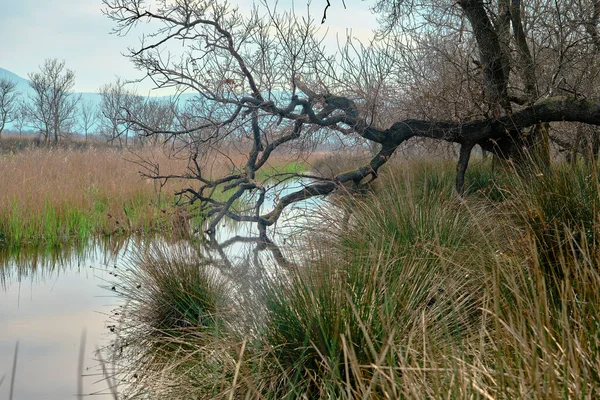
pixel 55 196
pixel 415 295
pixel 402 291
pixel 318 225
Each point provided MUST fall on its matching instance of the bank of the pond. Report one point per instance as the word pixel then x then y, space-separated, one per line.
pixel 58 224
pixel 417 294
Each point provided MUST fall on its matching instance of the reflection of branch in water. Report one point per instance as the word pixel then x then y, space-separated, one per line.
pixel 246 261
pixel 262 243
pixel 161 297
pixel 243 260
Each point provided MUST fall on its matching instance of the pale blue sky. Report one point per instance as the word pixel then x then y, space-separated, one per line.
pixel 78 32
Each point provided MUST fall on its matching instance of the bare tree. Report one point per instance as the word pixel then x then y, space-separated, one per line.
pixel 53 107
pixel 21 117
pixel 88 117
pixel 154 115
pixel 8 102
pixel 117 104
pixel 467 73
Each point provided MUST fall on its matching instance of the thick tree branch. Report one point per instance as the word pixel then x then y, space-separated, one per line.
pixel 493 59
pixel 325 188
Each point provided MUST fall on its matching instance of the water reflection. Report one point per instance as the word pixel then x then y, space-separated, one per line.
pixel 163 294
pixel 47 299
pixel 44 263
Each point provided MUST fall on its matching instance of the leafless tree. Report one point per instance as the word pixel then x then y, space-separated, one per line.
pixel 21 118
pixel 154 115
pixel 8 102
pixel 118 102
pixel 493 74
pixel 88 117
pixel 53 107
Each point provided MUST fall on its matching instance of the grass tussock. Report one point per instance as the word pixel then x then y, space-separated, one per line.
pixel 560 210
pixel 171 294
pixel 417 295
pixel 177 291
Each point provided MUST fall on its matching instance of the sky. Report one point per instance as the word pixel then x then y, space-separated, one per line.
pixel 76 31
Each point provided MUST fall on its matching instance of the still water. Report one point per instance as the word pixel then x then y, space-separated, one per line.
pixel 48 300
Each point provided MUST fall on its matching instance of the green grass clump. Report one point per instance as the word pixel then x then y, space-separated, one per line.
pixel 175 304
pixel 418 294
pixel 173 290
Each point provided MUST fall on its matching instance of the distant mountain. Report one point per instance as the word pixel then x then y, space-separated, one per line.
pixel 4 73
pixel 26 90
pixel 22 83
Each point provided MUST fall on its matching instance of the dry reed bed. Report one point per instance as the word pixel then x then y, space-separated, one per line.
pixel 51 195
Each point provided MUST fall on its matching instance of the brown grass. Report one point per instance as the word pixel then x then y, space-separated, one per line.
pixel 98 190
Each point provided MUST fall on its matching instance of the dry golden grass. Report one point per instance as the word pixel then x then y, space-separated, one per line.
pixel 57 194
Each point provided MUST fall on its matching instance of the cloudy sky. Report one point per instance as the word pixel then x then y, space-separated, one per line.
pixel 76 31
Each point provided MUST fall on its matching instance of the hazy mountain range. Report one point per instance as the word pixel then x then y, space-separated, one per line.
pixel 26 90
pixel 95 99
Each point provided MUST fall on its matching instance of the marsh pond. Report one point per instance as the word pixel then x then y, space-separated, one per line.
pixel 61 307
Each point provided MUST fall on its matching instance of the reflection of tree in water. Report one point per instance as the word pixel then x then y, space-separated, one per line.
pixel 255 247
pixel 41 263
pixel 183 290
